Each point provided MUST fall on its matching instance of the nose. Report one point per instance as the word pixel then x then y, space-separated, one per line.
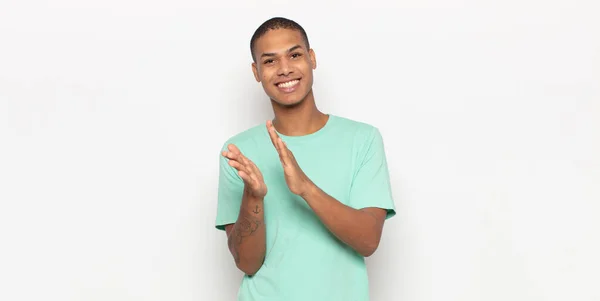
pixel 284 68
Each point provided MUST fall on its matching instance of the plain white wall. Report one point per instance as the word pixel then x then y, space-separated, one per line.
pixel 112 114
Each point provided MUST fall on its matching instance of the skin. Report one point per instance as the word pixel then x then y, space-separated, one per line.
pixel 246 238
pixel 281 56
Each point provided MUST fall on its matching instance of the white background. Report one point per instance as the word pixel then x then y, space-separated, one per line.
pixel 112 115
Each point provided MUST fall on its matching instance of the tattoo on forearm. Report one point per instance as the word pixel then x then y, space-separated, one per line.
pixel 244 227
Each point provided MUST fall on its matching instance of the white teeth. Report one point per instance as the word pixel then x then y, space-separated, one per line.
pixel 288 84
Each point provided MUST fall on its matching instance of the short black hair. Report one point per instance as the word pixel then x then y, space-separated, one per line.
pixel 276 23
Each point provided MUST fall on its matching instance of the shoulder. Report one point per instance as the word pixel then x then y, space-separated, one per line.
pixel 362 138
pixel 358 129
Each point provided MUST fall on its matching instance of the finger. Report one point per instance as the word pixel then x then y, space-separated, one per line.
pixel 244 160
pixel 238 158
pixel 246 165
pixel 287 150
pixel 234 149
pixel 245 177
pixel 252 177
pixel 249 178
pixel 272 134
pixel 230 155
pixel 255 171
pixel 286 156
pixel 236 154
pixel 283 147
pixel 237 165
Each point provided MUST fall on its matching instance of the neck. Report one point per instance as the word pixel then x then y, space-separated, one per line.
pixel 299 120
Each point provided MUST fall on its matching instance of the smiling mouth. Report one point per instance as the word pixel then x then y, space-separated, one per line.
pixel 288 84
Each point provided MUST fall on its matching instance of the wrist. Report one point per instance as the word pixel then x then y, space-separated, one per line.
pixel 251 198
pixel 310 192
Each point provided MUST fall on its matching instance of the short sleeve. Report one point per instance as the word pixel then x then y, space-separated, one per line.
pixel 229 197
pixel 371 183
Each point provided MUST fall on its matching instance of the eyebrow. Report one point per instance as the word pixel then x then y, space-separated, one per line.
pixel 274 54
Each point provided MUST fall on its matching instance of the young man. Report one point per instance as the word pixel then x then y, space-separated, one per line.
pixel 302 198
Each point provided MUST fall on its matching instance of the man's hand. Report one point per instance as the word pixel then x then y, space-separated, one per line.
pixel 295 178
pixel 254 183
pixel 246 238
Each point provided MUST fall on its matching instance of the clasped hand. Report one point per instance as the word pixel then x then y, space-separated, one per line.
pixel 296 179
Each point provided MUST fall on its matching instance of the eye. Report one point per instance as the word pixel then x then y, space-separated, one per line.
pixel 296 55
pixel 269 61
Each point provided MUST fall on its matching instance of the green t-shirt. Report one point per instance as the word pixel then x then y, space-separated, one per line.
pixel 304 261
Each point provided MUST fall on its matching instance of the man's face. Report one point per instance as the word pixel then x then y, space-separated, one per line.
pixel 284 66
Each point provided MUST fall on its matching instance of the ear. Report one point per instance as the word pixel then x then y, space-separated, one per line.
pixel 255 71
pixel 313 58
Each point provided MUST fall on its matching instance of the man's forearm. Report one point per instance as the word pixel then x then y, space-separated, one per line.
pixel 360 229
pixel 246 239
